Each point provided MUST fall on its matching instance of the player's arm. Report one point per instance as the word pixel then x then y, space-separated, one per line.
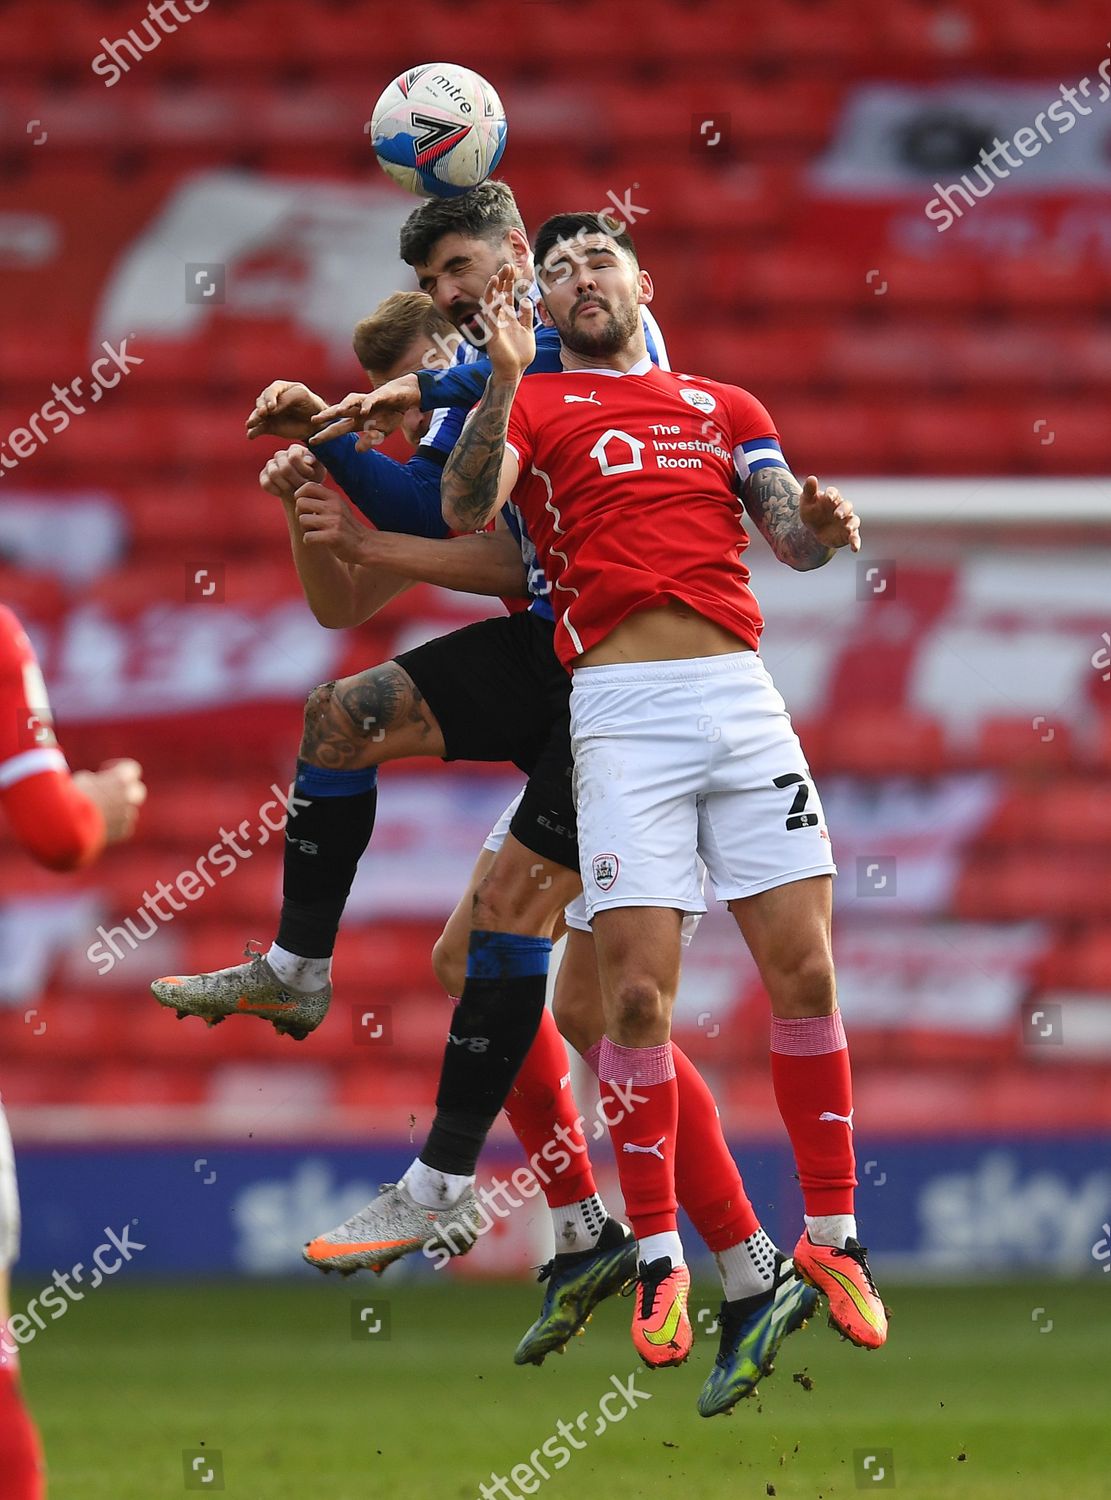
pixel 62 820
pixel 803 525
pixel 395 496
pixel 463 385
pixel 489 563
pixel 337 598
pixel 480 472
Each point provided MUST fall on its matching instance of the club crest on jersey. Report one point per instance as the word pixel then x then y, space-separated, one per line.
pixel 701 400
pixel 605 868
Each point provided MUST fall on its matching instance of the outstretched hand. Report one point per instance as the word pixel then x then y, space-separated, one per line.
pixel 373 414
pixel 510 340
pixel 284 409
pixel 829 515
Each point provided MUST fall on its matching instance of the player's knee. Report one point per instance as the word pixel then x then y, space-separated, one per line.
pixel 449 964
pixel 804 985
pixel 318 707
pixel 639 1005
pixel 504 904
pixel 577 1024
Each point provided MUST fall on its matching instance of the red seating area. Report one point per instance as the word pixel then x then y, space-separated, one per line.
pixel 914 363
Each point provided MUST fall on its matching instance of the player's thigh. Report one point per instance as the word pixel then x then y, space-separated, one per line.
pixel 368 719
pixel 522 892
pixel 638 952
pixel 787 929
pixel 544 819
pixel 449 952
pixel 577 1001
pixel 637 807
pixel 760 822
pixel 481 685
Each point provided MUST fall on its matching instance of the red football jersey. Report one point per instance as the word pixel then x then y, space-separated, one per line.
pixel 629 489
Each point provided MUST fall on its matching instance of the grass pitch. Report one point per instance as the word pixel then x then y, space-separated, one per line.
pixel 299 1399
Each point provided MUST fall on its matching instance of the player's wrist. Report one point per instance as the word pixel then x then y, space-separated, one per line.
pixel 370 547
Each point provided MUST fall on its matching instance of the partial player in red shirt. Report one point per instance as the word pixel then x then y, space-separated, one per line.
pixel 630 481
pixel 62 821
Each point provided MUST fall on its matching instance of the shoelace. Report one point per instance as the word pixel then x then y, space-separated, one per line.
pixel 649 1290
pixel 859 1255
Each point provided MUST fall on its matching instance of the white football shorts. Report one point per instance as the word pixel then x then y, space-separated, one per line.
pixel 574 913
pixel 680 759
pixel 9 1198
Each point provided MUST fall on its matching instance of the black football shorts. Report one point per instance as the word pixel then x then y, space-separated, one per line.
pixel 499 692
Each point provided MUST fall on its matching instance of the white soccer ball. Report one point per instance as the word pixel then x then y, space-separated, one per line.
pixel 438 130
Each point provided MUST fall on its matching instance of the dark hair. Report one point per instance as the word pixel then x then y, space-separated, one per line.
pixel 571 228
pixel 487 212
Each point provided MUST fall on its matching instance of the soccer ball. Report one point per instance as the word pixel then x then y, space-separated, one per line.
pixel 438 130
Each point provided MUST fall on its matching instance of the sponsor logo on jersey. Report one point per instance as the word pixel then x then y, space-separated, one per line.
pixel 592 399
pixel 702 400
pixel 605 868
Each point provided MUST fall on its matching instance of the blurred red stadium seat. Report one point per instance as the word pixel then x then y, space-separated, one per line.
pixel 1080 961
pixel 872 742
pixel 1010 741
pixel 1033 884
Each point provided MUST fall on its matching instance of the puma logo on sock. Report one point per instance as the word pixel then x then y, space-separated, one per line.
pixel 630 1147
pixel 828 1114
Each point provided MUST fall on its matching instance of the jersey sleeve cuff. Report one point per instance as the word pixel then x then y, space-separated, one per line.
pixel 426 379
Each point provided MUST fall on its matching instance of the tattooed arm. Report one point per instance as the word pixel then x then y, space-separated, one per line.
pixel 803 525
pixel 479 473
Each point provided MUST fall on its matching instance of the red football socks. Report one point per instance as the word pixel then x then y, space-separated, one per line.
pixel 642 1109
pixel 813 1088
pixel 542 1111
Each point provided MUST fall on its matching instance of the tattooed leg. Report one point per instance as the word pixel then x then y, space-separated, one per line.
pixel 376 716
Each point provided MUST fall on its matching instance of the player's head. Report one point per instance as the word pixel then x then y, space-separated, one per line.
pixel 404 333
pixel 456 244
pixel 591 282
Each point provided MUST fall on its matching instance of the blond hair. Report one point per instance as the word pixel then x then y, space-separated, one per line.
pixel 389 331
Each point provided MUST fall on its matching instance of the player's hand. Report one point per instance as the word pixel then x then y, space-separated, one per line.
pixel 326 521
pixel 829 516
pixel 284 409
pixel 119 791
pixel 289 469
pixel 372 414
pixel 510 340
